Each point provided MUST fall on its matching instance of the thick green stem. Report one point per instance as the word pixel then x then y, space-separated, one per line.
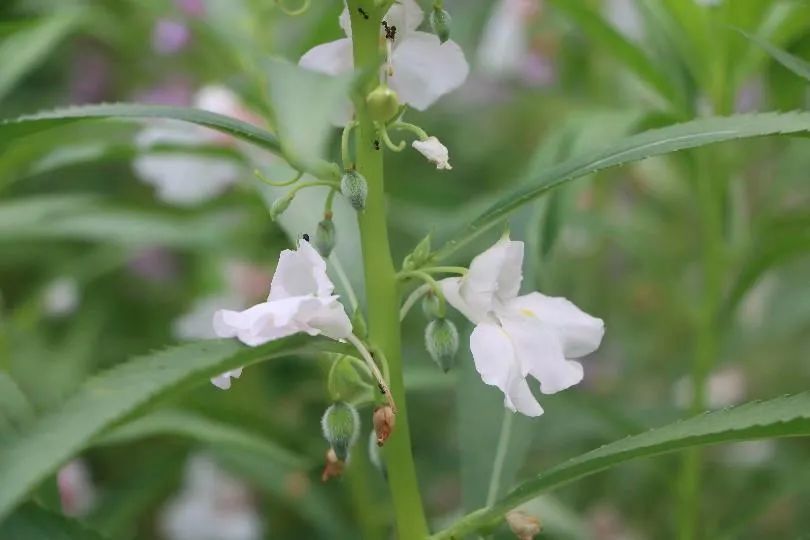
pixel 381 281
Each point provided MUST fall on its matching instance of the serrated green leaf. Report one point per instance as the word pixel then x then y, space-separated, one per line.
pixel 28 125
pixel 119 393
pixel 781 417
pixel 793 63
pixel 656 142
pixel 202 429
pixel 32 522
pixel 24 49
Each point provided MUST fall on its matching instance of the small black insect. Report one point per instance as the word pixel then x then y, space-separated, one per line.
pixel 363 13
pixel 390 31
pixel 376 144
pixel 306 237
pixel 382 389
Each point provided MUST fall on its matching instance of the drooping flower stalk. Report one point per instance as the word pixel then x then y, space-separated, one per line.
pixel 380 276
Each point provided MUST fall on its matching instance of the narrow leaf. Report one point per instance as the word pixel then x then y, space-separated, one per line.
pixel 781 417
pixel 119 393
pixel 693 134
pixel 795 64
pixel 35 123
pixel 32 522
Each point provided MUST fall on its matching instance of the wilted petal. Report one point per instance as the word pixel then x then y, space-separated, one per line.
pixel 299 273
pixel 539 353
pixel 578 332
pixel 332 58
pixel 425 69
pixel 434 151
pixel 494 276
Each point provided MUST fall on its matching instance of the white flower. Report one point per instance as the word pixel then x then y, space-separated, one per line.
pixel 76 490
pixel 435 151
pixel 300 300
pixel 505 41
pixel 424 69
pixel 185 178
pixel 516 336
pixel 212 505
pixel 61 297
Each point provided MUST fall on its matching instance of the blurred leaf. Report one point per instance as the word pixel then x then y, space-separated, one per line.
pixel 23 50
pixel 205 430
pixel 304 104
pixel 781 417
pixel 31 522
pixel 595 27
pixel 656 142
pixel 83 217
pixel 22 126
pixel 119 393
pixel 791 62
pixel 15 409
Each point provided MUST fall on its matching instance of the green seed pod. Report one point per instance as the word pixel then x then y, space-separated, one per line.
pixel 441 341
pixel 279 206
pixel 341 424
pixel 383 103
pixel 440 23
pixel 431 306
pixel 325 237
pixel 354 187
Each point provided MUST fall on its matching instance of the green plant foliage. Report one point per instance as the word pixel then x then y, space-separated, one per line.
pixel 112 396
pixel 781 417
pixel 32 522
pixel 793 63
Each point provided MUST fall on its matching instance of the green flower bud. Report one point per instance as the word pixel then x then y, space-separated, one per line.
pixel 325 237
pixel 419 256
pixel 354 187
pixel 279 206
pixel 431 306
pixel 341 424
pixel 383 103
pixel 441 341
pixel 440 23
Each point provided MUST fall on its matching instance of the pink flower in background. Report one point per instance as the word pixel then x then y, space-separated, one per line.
pixel 194 8
pixel 156 264
pixel 76 489
pixel 90 75
pixel 504 46
pixel 170 37
pixel 176 90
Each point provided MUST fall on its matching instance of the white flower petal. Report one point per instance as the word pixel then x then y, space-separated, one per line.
pixel 451 289
pixel 539 353
pixel 332 58
pixel 331 320
pixel 406 15
pixel 263 322
pixel 435 151
pixel 505 42
pixel 494 355
pixel 520 398
pixel 218 99
pixel 345 21
pixel 223 380
pixel 494 277
pixel 299 273
pixel 426 69
pixel 579 333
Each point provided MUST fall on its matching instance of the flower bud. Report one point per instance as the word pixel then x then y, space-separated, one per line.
pixel 440 23
pixel 431 306
pixel 383 103
pixel 354 187
pixel 419 256
pixel 340 424
pixel 384 420
pixel 333 467
pixel 525 526
pixel 325 237
pixel 441 341
pixel 279 206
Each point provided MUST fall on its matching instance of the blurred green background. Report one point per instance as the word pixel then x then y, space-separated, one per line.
pixel 97 266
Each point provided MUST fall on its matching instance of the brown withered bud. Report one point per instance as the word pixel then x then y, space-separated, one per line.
pixel 525 526
pixel 384 420
pixel 333 467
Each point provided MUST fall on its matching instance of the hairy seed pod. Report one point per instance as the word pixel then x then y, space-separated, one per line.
pixel 441 341
pixel 431 306
pixel 440 23
pixel 341 424
pixel 354 187
pixel 325 237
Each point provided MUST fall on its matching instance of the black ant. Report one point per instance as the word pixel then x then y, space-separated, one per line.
pixel 363 13
pixel 306 237
pixel 390 31
pixel 376 144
